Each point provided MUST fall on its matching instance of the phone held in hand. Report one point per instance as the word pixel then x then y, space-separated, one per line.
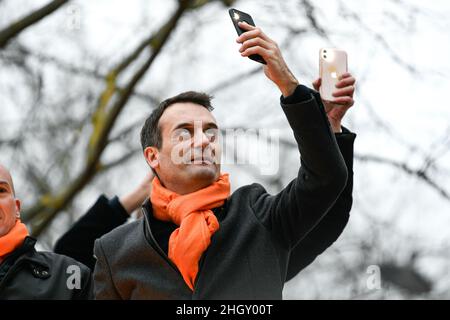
pixel 332 65
pixel 239 16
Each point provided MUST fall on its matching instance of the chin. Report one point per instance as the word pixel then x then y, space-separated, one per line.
pixel 3 231
pixel 209 173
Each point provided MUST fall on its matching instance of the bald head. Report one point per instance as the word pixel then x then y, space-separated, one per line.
pixel 9 204
pixel 5 176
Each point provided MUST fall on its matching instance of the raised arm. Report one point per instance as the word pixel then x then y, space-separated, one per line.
pixel 328 230
pixel 292 213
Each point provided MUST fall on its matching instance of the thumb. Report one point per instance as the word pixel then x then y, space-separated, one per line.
pixel 316 84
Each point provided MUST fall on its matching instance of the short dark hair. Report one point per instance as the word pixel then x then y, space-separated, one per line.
pixel 151 133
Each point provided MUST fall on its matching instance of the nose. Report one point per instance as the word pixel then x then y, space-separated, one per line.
pixel 201 140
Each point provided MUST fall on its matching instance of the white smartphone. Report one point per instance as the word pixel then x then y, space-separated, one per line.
pixel 332 64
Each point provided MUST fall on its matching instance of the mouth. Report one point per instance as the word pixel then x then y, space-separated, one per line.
pixel 203 161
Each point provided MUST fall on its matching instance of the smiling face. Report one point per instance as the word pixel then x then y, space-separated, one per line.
pixel 189 157
pixel 9 205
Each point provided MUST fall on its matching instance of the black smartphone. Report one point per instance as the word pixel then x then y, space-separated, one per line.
pixel 239 16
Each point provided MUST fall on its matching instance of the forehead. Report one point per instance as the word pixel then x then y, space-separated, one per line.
pixel 5 177
pixel 185 112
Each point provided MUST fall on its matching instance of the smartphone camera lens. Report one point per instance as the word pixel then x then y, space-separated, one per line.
pixel 324 51
pixel 324 56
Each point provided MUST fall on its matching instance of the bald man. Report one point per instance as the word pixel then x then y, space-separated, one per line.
pixel 9 205
pixel 26 273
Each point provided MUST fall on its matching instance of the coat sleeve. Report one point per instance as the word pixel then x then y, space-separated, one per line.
pixel 331 226
pixel 322 176
pixel 104 288
pixel 101 218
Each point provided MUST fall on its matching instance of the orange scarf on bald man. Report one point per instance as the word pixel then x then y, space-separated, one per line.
pixel 197 223
pixel 13 239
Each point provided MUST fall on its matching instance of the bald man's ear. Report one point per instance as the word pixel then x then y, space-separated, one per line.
pixel 17 208
pixel 151 154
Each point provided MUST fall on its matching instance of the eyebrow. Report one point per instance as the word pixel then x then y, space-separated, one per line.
pixel 3 182
pixel 190 125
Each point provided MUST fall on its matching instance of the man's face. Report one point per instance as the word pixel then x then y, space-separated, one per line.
pixel 189 157
pixel 9 205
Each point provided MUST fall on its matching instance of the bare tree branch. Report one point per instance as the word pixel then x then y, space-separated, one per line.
pixel 17 27
pixel 377 36
pixel 120 160
pixel 126 131
pixel 78 70
pixel 41 214
pixel 234 80
pixel 418 173
pixel 310 14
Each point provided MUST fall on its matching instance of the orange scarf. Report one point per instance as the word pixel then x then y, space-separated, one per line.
pixel 197 223
pixel 13 239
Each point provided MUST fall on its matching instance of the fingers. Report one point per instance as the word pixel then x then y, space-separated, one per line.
pixel 149 176
pixel 244 25
pixel 344 75
pixel 255 42
pixel 252 32
pixel 256 50
pixel 147 181
pixel 347 91
pixel 345 80
pixel 316 84
pixel 346 101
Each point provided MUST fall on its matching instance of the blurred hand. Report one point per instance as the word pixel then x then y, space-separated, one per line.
pixel 145 186
pixel 254 41
pixel 135 198
pixel 336 109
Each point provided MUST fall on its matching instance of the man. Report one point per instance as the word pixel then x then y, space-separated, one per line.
pixel 198 242
pixel 26 273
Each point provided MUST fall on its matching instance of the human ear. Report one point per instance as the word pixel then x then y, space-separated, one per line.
pixel 152 157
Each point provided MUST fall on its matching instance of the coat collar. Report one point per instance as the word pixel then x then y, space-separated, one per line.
pixel 27 254
pixel 39 266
